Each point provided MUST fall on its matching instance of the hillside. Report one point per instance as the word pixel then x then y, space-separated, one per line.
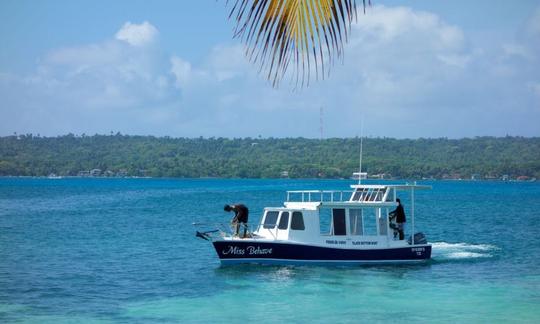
pixel 123 155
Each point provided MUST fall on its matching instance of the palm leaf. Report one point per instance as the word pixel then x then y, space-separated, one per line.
pixel 308 33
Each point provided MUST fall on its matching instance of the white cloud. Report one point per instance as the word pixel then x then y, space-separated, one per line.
pixel 181 70
pixel 399 57
pixel 535 88
pixel 533 25
pixel 137 35
pixel 228 62
pixel 517 50
pixel 391 24
pixel 92 54
pixel 408 73
pixel 112 85
pixel 455 60
pixel 105 75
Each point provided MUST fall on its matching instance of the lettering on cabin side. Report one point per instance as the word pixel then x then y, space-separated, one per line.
pixel 365 242
pixel 249 250
pixel 336 242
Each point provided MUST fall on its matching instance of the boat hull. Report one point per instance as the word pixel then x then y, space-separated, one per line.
pixel 249 251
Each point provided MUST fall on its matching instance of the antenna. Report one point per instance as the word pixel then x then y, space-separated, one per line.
pixel 361 147
pixel 321 121
pixel 320 174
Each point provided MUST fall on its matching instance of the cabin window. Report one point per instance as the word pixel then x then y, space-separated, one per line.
pixel 283 221
pixel 338 218
pixel 271 219
pixel 383 225
pixel 355 221
pixel 297 221
pixel 370 222
pixel 325 221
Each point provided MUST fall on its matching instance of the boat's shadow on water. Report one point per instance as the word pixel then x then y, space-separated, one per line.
pixel 280 272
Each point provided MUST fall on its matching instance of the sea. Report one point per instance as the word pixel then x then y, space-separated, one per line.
pixel 97 250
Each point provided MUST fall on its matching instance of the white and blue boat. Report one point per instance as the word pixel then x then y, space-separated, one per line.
pixel 326 227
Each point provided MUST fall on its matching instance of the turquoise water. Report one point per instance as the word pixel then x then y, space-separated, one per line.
pixel 124 250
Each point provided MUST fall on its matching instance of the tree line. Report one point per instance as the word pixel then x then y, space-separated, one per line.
pixel 69 155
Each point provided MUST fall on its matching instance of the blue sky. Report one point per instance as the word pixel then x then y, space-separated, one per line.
pixel 411 69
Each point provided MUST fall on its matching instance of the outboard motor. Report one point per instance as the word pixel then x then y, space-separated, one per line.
pixel 419 238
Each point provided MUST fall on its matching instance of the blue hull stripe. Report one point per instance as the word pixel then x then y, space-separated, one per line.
pixel 267 252
pixel 313 262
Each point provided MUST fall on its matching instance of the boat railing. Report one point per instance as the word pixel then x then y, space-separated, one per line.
pixel 318 195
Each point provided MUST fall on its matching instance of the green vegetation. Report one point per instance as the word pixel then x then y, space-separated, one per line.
pixel 27 155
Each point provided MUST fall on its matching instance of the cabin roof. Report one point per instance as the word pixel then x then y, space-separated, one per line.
pixel 302 205
pixel 358 204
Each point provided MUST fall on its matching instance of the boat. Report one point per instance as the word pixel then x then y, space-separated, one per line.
pixel 359 176
pixel 325 227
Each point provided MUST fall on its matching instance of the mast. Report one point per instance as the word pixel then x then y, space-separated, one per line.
pixel 361 147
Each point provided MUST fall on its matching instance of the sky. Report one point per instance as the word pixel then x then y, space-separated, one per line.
pixel 410 69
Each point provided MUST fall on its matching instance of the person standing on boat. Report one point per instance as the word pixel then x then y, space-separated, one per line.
pixel 399 214
pixel 241 214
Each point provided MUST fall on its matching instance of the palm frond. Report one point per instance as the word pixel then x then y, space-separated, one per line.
pixel 308 33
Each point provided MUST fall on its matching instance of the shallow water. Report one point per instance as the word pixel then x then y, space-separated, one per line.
pixel 124 250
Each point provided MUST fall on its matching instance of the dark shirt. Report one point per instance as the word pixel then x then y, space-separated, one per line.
pixel 241 213
pixel 400 214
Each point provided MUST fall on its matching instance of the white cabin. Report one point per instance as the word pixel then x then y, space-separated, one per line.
pixel 340 219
